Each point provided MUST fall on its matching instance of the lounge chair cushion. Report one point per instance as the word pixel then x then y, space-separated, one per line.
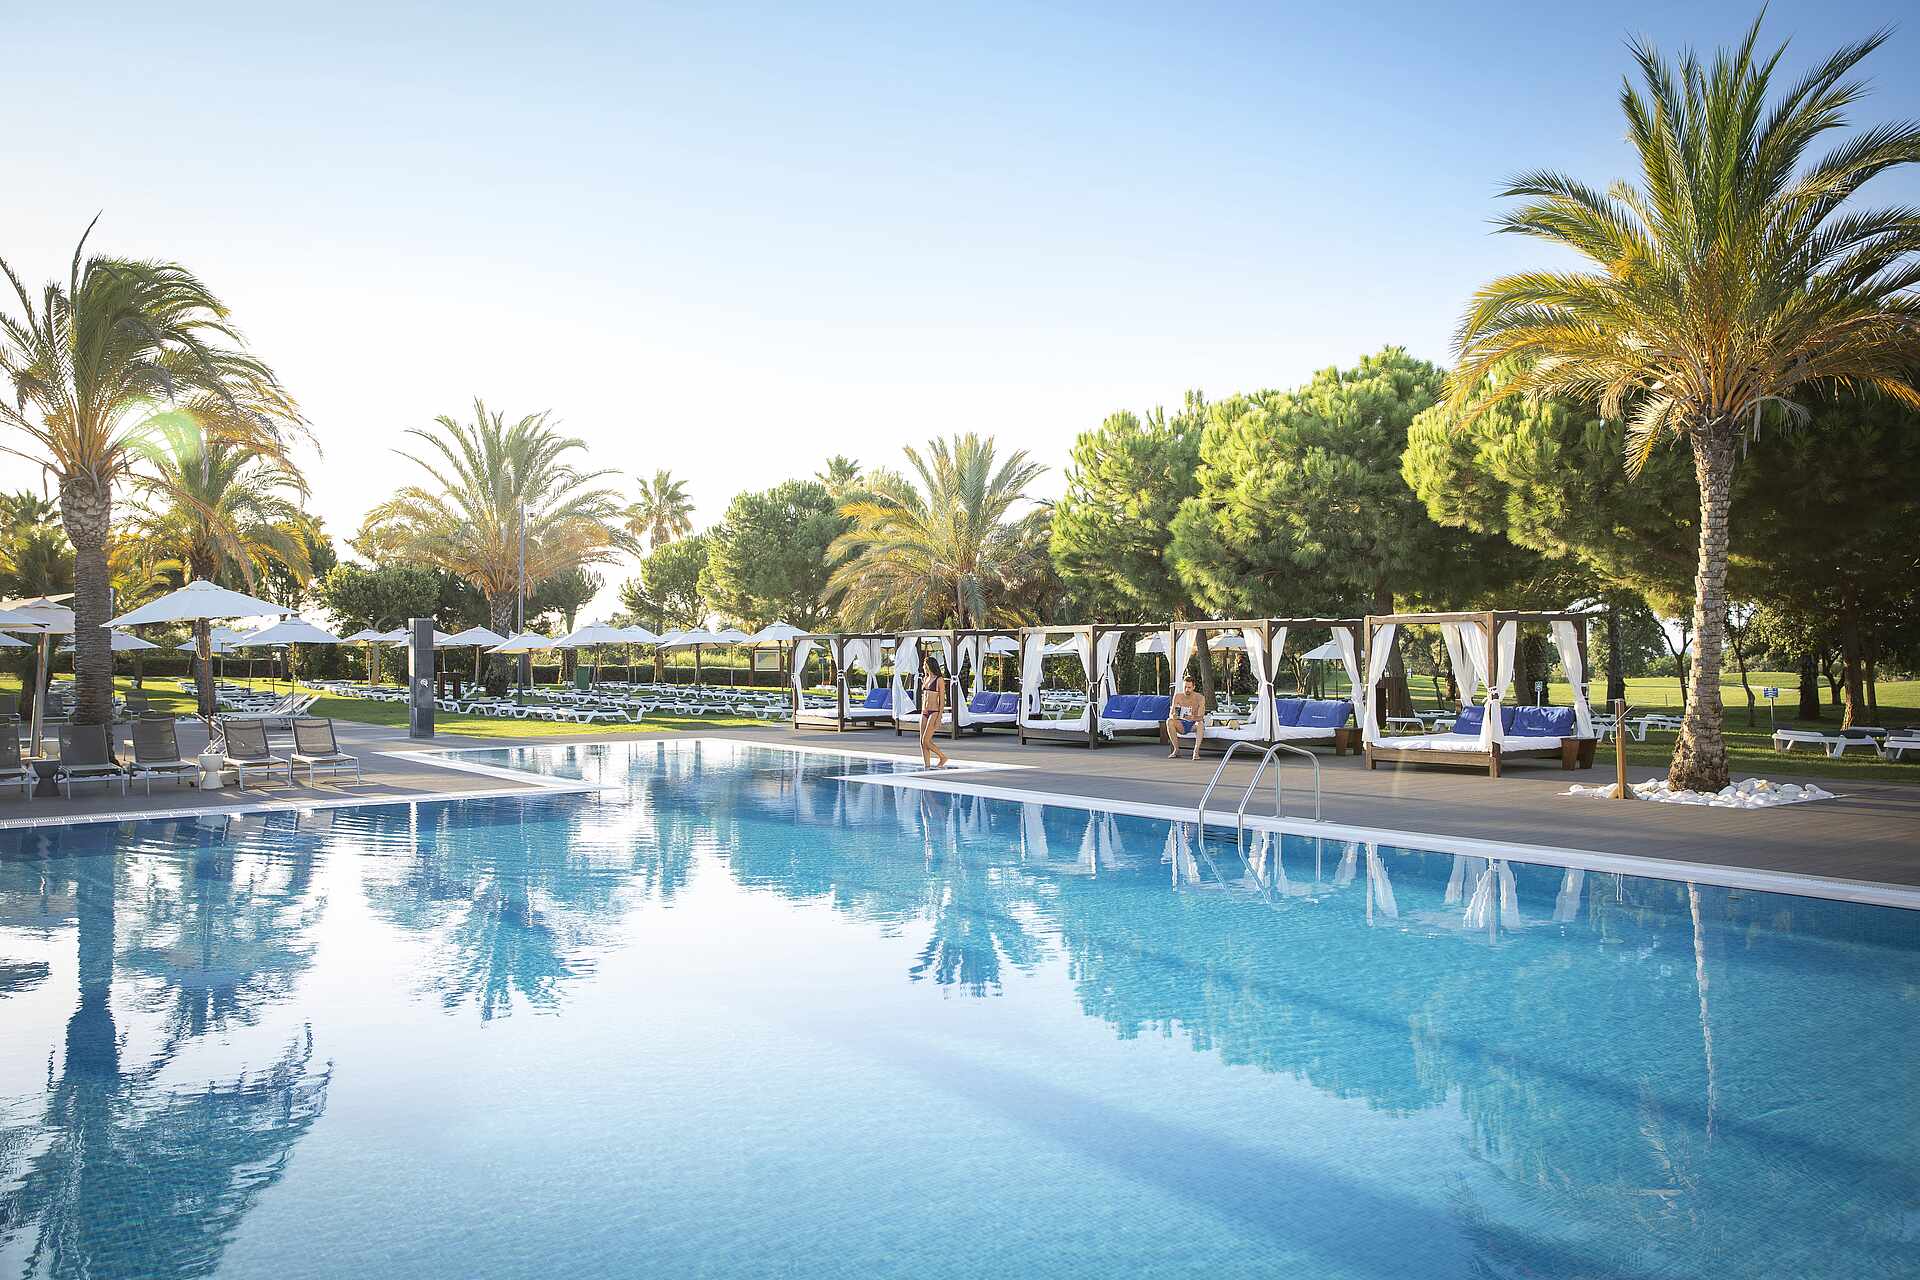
pixel 982 703
pixel 1152 706
pixel 1543 722
pixel 1120 706
pixel 880 696
pixel 1324 713
pixel 1287 711
pixel 1008 704
pixel 1469 720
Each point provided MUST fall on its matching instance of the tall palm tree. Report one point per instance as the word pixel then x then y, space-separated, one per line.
pixel 946 548
pixel 663 513
pixel 207 508
pixel 485 475
pixel 92 361
pixel 1733 275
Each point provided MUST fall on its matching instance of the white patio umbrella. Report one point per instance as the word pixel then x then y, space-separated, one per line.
pixel 776 633
pixel 199 602
pixel 478 638
pixel 525 642
pixel 697 637
pixel 638 635
pixel 592 636
pixel 366 636
pixel 45 618
pixel 288 631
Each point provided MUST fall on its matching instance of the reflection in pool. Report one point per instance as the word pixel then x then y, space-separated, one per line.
pixel 737 1017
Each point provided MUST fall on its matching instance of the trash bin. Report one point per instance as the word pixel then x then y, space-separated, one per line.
pixel 580 680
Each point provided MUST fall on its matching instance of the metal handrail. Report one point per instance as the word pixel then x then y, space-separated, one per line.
pixel 1200 814
pixel 1266 758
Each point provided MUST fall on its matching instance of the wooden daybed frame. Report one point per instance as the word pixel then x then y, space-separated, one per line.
pixel 840 721
pixel 1090 736
pixel 1572 752
pixel 1344 740
pixel 956 704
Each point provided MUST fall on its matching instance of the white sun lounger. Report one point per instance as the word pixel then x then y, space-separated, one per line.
pixel 1834 744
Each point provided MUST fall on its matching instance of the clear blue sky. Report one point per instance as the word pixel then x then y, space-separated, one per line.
pixel 731 241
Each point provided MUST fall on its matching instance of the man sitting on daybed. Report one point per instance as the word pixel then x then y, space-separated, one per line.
pixel 1187 715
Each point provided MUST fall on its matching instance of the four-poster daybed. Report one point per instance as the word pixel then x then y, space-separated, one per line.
pixel 1482 646
pixel 872 708
pixel 1095 645
pixel 1300 721
pixel 963 652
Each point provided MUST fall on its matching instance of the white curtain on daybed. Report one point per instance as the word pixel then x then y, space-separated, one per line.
pixel 1362 692
pixel 1567 641
pixel 906 665
pixel 1467 651
pixel 1033 655
pixel 1377 658
pixel 801 652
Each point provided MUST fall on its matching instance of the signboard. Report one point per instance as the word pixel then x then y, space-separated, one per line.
pixel 766 660
pixel 1770 692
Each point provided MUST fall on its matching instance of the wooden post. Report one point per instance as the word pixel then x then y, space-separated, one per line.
pixel 1620 749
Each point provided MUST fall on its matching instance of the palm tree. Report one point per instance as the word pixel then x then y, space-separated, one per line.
pixel 663 513
pixel 1725 281
pixel 207 508
pixel 948 548
pixel 92 362
pixel 839 476
pixel 489 480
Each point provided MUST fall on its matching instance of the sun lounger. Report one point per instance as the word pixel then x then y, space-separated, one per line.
pixel 1834 744
pixel 315 747
pixel 87 756
pixel 1895 745
pixel 12 768
pixel 246 748
pixel 156 754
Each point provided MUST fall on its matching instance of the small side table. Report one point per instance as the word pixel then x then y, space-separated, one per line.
pixel 43 771
pixel 1346 740
pixel 212 771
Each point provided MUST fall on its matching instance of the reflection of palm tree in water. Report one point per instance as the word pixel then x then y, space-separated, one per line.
pixel 226 929
pixel 974 928
pixel 125 1146
pixel 519 912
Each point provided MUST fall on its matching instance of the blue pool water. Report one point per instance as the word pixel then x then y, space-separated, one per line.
pixel 733 1016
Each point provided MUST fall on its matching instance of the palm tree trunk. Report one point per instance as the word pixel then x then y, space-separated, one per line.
pixel 1700 756
pixel 86 509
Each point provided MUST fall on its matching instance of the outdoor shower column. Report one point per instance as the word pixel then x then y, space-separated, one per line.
pixel 420 681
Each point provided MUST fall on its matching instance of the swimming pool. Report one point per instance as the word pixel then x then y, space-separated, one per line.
pixel 734 1014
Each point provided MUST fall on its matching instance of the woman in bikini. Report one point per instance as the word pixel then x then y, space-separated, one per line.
pixel 933 708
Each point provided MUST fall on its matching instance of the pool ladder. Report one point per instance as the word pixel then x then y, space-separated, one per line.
pixel 1246 797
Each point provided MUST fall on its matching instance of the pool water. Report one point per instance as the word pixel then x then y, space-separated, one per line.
pixel 746 1012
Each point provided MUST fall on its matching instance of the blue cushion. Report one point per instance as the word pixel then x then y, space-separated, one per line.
pixel 1152 706
pixel 1469 720
pixel 981 703
pixel 1119 706
pixel 880 695
pixel 1007 704
pixel 1324 713
pixel 1543 722
pixel 1506 717
pixel 1287 710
